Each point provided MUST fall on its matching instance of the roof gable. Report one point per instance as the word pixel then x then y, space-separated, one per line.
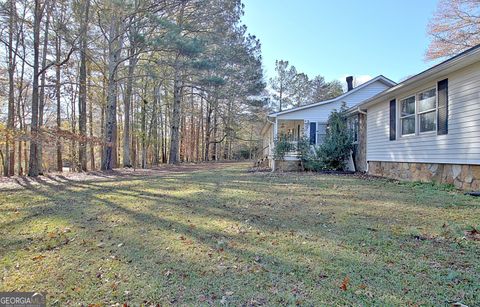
pixel 380 78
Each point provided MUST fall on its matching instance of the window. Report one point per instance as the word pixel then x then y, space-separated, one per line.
pixel 427 111
pixel 321 133
pixel 418 113
pixel 407 115
pixel 353 127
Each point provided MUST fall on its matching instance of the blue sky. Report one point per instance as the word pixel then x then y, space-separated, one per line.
pixel 336 38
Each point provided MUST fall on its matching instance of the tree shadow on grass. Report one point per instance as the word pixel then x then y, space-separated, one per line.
pixel 200 250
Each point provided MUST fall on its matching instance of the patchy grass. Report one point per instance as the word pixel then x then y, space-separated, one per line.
pixel 195 235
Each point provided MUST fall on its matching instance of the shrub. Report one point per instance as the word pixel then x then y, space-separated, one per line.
pixel 333 153
pixel 282 146
pixel 336 148
pixel 308 156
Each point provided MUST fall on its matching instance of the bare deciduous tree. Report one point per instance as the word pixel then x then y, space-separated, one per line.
pixel 454 28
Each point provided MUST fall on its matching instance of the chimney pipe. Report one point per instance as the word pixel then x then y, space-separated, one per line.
pixel 349 83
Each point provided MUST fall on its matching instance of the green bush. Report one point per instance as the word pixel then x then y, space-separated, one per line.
pixel 308 156
pixel 282 146
pixel 333 153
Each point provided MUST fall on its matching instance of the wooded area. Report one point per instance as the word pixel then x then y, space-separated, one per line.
pixel 101 84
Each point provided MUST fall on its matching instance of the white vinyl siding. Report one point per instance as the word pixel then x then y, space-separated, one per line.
pixel 460 146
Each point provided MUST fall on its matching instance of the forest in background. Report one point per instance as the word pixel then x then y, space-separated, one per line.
pixel 100 84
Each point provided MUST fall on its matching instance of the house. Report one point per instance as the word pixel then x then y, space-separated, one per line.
pixel 311 120
pixel 427 128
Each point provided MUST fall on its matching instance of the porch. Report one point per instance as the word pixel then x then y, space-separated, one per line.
pixel 292 130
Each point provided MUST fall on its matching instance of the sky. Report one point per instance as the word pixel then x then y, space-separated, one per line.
pixel 337 38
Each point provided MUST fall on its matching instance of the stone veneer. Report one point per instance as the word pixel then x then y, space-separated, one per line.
pixel 360 149
pixel 288 165
pixel 466 177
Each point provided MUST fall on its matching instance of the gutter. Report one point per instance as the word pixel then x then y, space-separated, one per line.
pixel 361 111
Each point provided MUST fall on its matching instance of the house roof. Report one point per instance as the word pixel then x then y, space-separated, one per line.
pixel 459 61
pixel 380 78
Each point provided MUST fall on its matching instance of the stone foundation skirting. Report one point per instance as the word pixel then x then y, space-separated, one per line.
pixel 288 165
pixel 466 177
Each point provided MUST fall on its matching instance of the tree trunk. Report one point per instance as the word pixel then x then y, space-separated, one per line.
pixel 208 131
pixel 202 129
pixel 82 95
pixel 33 167
pixel 156 101
pixel 127 101
pixel 73 123
pixel 144 133
pixel 192 128
pixel 162 130
pixel 9 166
pixel 215 130
pixel 115 45
pixel 21 103
pixel 175 124
pixel 41 106
pixel 92 144
pixel 58 47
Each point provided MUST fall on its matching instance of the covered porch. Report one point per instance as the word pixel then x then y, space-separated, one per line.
pixel 292 130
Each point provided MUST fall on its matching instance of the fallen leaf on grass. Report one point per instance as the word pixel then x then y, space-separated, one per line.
pixel 67 229
pixel 345 282
pixel 473 234
pixel 39 257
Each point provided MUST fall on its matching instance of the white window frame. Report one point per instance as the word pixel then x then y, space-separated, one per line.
pixel 416 114
pixel 435 109
pixel 317 130
pixel 400 117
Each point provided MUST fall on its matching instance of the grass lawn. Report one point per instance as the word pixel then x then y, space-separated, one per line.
pixel 217 234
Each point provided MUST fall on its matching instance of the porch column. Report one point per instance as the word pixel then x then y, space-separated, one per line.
pixel 275 129
pixel 275 133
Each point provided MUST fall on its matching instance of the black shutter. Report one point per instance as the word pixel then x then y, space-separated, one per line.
pixel 313 133
pixel 393 119
pixel 442 114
